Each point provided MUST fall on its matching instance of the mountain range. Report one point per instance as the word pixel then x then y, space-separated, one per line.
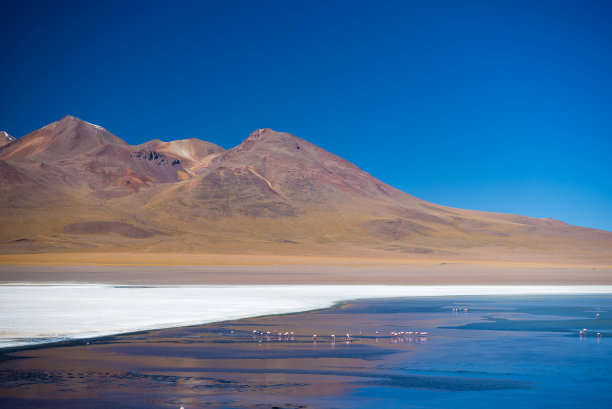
pixel 73 186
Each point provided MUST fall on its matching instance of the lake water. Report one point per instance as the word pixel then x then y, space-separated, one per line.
pixel 530 345
pixel 479 351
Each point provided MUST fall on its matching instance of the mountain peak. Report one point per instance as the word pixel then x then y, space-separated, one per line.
pixel 260 133
pixel 74 119
pixel 5 138
pixel 267 134
pixel 68 137
pixel 193 149
pixel 266 139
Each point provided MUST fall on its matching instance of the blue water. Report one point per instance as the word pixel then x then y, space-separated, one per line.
pixel 534 341
pixel 503 352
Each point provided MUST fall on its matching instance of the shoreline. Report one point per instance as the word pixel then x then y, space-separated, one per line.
pixel 90 311
pixel 445 273
pixel 70 342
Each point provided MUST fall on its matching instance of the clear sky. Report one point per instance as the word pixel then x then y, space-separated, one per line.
pixel 492 105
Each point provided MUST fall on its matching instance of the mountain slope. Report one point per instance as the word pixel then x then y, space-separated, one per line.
pixel 73 185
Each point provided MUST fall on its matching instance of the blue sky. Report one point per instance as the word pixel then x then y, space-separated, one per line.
pixel 492 105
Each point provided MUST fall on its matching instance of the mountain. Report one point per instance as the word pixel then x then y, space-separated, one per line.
pixel 275 174
pixel 75 157
pixel 74 186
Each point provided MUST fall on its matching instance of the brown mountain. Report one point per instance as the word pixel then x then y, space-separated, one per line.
pixel 72 186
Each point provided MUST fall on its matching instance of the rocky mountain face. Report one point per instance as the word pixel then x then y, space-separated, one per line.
pixel 72 185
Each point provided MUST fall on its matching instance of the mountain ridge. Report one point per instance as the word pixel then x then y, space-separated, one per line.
pixel 274 193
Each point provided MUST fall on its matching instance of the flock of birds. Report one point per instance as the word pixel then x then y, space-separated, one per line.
pixel 583 332
pixel 394 336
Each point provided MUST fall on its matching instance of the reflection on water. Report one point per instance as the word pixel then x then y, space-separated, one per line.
pixel 442 352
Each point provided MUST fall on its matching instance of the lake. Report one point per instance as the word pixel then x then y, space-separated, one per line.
pixel 479 351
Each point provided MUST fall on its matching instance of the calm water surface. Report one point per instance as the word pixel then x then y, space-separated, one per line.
pixel 502 352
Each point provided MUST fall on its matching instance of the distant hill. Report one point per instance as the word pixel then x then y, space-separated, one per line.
pixel 74 186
